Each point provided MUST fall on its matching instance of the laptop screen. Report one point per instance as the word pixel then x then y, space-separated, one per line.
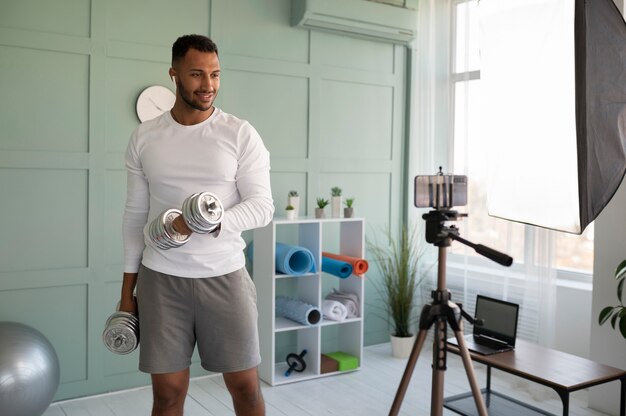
pixel 499 319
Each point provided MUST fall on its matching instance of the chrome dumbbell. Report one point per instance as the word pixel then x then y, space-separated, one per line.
pixel 202 213
pixel 121 332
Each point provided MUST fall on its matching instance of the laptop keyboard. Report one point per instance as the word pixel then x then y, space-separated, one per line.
pixel 489 343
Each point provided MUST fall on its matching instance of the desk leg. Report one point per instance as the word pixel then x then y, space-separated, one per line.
pixel 488 389
pixel 622 404
pixel 564 395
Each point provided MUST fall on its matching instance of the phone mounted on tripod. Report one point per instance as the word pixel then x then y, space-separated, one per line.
pixel 440 191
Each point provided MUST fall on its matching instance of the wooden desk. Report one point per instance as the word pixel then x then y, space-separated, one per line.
pixel 563 372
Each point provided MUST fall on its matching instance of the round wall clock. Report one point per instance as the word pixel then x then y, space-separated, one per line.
pixel 154 101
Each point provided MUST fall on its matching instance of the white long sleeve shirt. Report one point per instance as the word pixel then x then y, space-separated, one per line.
pixel 167 162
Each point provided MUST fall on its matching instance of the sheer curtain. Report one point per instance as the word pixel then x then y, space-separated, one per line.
pixel 446 131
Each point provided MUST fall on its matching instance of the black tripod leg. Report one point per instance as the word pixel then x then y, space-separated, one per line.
pixel 408 372
pixel 471 376
pixel 439 368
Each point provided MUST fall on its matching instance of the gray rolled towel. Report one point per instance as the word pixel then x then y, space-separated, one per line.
pixel 349 300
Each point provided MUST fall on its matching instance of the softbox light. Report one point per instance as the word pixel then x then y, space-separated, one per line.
pixel 553 80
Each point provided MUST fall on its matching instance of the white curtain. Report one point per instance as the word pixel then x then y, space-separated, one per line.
pixel 446 132
pixel 430 58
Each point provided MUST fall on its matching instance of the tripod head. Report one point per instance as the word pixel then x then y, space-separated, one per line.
pixel 440 235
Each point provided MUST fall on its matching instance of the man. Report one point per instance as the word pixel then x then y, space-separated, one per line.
pixel 199 292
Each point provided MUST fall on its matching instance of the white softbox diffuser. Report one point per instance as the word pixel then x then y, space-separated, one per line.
pixel 553 74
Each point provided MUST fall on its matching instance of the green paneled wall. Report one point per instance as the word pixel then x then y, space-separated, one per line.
pixel 330 109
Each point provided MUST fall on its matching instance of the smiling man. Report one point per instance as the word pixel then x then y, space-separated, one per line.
pixel 199 293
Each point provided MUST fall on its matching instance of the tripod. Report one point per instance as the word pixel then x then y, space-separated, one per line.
pixel 441 312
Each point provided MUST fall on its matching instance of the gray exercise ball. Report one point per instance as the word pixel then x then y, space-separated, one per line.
pixel 29 370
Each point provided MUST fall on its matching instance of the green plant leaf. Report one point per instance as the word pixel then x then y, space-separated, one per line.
pixel 622 326
pixel 605 314
pixel 620 272
pixel 617 314
pixel 399 261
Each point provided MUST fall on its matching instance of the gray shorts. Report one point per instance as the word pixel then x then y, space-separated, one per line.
pixel 218 313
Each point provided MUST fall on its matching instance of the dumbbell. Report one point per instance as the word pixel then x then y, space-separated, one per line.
pixel 121 332
pixel 202 212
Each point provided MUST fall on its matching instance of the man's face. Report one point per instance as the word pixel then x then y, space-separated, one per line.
pixel 197 79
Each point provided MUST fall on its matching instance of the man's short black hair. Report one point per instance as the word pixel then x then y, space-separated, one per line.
pixel 186 42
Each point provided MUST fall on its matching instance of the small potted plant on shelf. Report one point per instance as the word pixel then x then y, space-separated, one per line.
pixel 399 265
pixel 348 211
pixel 321 204
pixel 617 313
pixel 335 193
pixel 293 199
pixel 290 212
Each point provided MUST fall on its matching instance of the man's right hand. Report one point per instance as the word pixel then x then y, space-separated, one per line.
pixel 128 301
pixel 128 305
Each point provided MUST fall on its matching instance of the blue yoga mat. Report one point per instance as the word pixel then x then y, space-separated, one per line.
pixel 291 259
pixel 337 267
pixel 294 259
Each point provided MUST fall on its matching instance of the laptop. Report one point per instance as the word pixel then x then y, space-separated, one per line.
pixel 499 328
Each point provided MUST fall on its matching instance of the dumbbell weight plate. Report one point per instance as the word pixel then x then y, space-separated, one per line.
pixel 210 208
pixel 203 212
pixel 121 333
pixel 162 231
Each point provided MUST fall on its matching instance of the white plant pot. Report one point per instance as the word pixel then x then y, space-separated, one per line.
pixel 290 214
pixel 401 346
pixel 319 213
pixel 294 201
pixel 335 204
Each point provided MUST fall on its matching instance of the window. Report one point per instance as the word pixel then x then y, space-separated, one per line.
pixel 573 255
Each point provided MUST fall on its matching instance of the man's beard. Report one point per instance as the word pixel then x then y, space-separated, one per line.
pixel 190 101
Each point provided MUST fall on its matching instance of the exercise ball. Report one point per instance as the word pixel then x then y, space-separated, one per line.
pixel 29 371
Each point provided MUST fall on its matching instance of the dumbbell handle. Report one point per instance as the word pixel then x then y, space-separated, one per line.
pixel 180 226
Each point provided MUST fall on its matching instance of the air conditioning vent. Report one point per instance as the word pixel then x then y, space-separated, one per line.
pixel 360 18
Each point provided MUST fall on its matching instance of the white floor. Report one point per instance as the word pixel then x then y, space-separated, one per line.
pixel 369 391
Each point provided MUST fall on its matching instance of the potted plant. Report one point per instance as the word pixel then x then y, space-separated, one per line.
pixel 399 264
pixel 348 211
pixel 617 313
pixel 290 212
pixel 293 199
pixel 321 204
pixel 335 193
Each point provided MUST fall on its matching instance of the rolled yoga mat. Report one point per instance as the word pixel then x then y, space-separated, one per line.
pixel 294 259
pixel 359 265
pixel 290 259
pixel 297 310
pixel 337 267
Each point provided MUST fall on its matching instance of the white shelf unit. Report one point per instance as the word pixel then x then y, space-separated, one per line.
pixel 278 335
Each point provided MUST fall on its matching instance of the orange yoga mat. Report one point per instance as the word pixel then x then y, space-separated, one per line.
pixel 359 266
